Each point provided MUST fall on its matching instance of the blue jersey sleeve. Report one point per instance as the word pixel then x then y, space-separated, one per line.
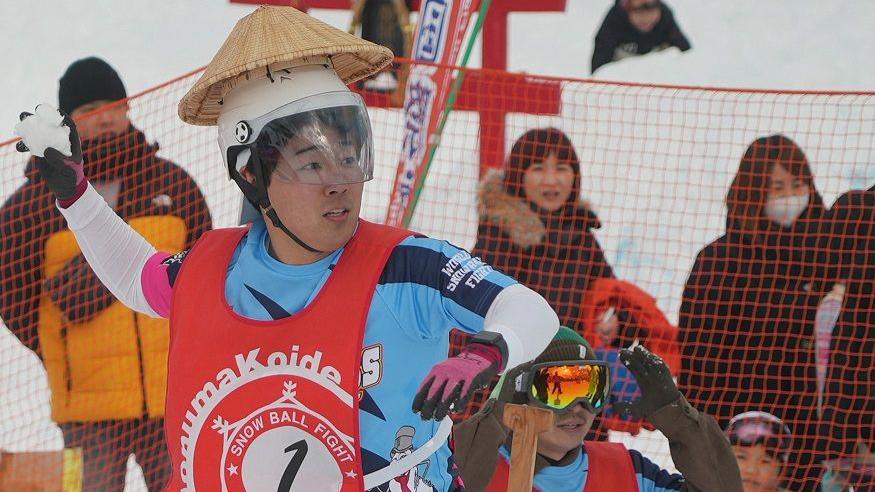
pixel 652 478
pixel 438 287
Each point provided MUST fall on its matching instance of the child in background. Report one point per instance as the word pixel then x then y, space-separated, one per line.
pixel 760 442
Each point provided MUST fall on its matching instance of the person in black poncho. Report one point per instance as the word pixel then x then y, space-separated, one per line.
pixel 747 317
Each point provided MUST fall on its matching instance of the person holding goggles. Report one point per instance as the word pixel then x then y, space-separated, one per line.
pixel 568 379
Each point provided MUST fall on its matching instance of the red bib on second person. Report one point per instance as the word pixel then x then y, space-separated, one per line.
pixel 269 405
pixel 610 468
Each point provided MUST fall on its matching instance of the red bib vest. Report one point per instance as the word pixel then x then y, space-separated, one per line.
pixel 269 405
pixel 610 468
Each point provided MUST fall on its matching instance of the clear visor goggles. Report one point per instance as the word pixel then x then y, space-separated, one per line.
pixel 324 139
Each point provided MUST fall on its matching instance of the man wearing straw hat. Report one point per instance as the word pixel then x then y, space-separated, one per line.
pixel 297 345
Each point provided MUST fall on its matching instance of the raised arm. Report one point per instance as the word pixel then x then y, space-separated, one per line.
pixel 115 251
pixel 510 323
pixel 698 447
pixel 123 260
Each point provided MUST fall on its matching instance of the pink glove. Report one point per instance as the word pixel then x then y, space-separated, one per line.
pixel 451 383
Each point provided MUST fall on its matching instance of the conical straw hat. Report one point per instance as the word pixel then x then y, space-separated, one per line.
pixel 273 35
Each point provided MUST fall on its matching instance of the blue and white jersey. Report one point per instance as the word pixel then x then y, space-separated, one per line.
pixel 427 288
pixel 572 477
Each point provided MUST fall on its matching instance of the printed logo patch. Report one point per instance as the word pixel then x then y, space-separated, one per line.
pixel 242 131
pixel 263 424
pixel 174 265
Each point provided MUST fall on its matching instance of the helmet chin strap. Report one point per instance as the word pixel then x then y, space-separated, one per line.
pixel 257 195
pixel 274 218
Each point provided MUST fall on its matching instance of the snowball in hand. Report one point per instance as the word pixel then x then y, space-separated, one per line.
pixel 43 130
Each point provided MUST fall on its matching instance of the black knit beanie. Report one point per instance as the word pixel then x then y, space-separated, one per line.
pixel 88 80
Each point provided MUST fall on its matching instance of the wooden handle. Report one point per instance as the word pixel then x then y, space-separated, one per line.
pixel 526 422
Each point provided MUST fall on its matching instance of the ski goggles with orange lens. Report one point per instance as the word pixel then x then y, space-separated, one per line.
pixel 563 384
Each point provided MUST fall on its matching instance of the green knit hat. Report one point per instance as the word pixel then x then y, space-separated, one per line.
pixel 567 344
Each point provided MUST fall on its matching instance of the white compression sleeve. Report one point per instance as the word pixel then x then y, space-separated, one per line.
pixel 525 320
pixel 115 251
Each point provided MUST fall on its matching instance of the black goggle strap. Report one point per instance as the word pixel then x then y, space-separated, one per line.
pixel 257 193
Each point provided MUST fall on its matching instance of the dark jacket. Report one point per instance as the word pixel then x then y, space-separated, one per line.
pixel 146 184
pixel 849 402
pixel 617 38
pixel 556 255
pixel 747 329
pixel 698 447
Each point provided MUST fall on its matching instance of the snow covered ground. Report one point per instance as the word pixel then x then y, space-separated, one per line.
pixel 656 163
pixel 750 43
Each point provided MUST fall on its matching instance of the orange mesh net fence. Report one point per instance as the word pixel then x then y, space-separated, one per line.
pixel 715 226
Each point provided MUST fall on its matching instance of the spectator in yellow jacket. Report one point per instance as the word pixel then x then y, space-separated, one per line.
pixel 106 365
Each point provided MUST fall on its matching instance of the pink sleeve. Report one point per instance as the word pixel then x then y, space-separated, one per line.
pixel 156 284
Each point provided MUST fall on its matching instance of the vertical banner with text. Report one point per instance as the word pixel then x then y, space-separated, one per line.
pixel 438 39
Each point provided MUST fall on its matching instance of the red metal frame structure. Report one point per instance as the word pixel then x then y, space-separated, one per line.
pixel 479 94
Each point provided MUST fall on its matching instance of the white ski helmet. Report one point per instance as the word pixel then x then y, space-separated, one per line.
pixel 294 107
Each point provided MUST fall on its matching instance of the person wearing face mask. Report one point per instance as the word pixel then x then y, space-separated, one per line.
pixel 535 228
pixel 106 364
pixel 564 461
pixel 747 318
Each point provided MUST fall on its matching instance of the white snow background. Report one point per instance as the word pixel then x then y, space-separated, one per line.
pixel 658 191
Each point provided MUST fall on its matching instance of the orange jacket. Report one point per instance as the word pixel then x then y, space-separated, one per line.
pixel 654 329
pixel 113 366
pixel 648 324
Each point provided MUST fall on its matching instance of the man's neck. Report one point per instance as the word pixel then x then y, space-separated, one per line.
pixel 555 457
pixel 284 249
